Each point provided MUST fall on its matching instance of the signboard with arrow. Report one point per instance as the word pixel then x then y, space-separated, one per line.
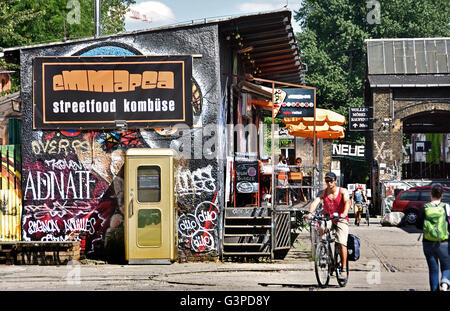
pixel 359 119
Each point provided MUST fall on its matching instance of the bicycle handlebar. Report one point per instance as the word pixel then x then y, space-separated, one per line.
pixel 327 217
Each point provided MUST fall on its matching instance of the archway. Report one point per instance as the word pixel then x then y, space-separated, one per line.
pixel 426 142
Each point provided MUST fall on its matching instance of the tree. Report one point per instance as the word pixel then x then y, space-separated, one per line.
pixel 332 41
pixel 12 19
pixel 25 22
pixel 39 21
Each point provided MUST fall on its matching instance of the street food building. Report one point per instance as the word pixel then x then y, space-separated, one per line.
pixel 86 103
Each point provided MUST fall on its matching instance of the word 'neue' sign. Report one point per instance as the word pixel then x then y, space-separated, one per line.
pixel 348 150
pixel 97 92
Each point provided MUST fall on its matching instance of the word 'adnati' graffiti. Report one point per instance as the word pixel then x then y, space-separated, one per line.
pixel 62 185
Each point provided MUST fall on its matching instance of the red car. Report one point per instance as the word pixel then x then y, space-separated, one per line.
pixel 411 200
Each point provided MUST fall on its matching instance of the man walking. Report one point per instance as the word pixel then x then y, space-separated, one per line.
pixel 434 220
pixel 335 200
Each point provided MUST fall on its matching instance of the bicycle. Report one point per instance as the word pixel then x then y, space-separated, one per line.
pixel 324 261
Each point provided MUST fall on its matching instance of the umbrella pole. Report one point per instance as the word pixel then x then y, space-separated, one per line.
pixel 273 172
pixel 272 144
pixel 314 133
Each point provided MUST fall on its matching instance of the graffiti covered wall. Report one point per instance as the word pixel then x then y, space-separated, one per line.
pixel 10 193
pixel 73 180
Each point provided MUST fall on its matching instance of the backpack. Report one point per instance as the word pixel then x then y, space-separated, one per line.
pixel 353 244
pixel 435 226
pixel 358 196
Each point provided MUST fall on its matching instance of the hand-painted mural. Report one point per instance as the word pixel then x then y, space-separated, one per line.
pixel 10 193
pixel 73 181
pixel 75 188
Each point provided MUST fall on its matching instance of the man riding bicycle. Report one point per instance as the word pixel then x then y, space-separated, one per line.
pixel 358 198
pixel 335 200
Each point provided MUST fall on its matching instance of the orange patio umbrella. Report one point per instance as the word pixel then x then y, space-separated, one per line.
pixel 322 116
pixel 322 131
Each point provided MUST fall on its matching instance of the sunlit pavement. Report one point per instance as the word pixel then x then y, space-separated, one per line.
pixel 391 260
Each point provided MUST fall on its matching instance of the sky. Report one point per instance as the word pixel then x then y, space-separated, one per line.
pixel 171 12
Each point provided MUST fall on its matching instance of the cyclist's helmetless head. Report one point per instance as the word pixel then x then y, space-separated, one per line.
pixel 330 180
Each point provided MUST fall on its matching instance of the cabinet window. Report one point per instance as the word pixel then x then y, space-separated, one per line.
pixel 149 227
pixel 149 183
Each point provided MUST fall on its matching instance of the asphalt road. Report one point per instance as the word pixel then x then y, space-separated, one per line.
pixel 391 260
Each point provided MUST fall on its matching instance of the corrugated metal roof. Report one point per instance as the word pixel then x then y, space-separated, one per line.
pixel 409 80
pixel 267 45
pixel 408 56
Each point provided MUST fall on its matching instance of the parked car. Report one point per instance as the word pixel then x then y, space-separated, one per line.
pixel 411 200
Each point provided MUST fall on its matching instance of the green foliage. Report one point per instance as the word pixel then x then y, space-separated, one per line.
pixel 332 42
pixel 26 22
pixel 268 134
pixel 12 20
pixel 38 21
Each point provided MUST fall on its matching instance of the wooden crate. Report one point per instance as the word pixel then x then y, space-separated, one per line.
pixel 39 253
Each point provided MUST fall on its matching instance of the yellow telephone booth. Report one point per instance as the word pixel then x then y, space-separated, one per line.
pixel 150 206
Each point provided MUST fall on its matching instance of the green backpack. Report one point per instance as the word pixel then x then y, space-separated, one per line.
pixel 435 226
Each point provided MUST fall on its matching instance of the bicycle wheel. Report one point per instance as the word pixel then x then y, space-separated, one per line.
pixel 322 265
pixel 338 262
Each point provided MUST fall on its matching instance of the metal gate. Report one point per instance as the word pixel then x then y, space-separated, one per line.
pixel 282 224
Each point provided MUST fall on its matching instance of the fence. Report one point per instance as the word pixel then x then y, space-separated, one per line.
pixel 10 193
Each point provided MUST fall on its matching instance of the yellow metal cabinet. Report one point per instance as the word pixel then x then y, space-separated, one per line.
pixel 150 206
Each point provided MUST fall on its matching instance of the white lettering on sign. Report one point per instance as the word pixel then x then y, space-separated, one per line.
pixel 349 150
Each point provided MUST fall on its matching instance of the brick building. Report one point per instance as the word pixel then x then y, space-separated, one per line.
pixel 408 87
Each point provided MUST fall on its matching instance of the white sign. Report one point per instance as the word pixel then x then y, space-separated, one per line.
pixel 348 150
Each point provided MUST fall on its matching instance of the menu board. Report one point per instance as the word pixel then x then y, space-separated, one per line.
pixel 246 176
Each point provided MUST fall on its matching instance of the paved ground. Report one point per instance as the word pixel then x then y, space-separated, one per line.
pixel 391 260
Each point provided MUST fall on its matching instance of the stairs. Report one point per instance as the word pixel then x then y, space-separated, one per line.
pixel 247 232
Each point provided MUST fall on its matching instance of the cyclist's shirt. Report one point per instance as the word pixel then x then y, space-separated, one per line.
pixel 333 206
pixel 358 196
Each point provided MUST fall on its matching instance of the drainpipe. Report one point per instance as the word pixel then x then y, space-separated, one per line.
pixel 97 14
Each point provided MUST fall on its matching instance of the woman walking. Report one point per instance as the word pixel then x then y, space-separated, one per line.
pixel 434 220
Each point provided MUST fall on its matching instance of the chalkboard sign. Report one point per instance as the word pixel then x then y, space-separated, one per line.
pixel 247 177
pixel 247 171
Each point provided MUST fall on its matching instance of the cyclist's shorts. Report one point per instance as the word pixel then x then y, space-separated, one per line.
pixel 341 228
pixel 358 207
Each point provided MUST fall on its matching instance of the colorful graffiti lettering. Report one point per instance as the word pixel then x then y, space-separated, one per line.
pixel 10 193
